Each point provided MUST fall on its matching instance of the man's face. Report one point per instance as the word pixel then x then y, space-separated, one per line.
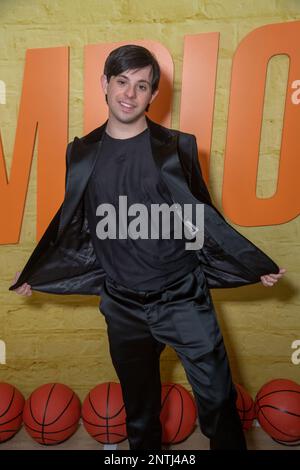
pixel 128 94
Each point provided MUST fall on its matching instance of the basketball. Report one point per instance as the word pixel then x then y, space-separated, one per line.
pixel 278 410
pixel 51 413
pixel 11 409
pixel 178 413
pixel 245 406
pixel 103 413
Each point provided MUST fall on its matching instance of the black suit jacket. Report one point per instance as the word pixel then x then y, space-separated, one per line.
pixel 64 261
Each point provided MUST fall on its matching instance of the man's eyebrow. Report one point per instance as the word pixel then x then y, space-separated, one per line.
pixel 144 81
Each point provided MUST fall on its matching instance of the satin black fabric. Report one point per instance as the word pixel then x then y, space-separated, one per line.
pixel 139 325
pixel 126 168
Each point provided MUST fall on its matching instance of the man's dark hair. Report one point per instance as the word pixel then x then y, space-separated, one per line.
pixel 131 57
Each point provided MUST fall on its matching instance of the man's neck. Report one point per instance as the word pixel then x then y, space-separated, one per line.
pixel 119 130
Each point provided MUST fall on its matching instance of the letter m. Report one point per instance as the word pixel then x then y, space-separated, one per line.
pixel 43 111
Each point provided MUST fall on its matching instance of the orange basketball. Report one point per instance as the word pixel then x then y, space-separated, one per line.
pixel 51 413
pixel 11 409
pixel 278 410
pixel 245 406
pixel 178 413
pixel 103 413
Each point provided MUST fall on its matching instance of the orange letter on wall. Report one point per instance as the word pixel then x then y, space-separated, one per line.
pixel 43 106
pixel 198 91
pixel 244 127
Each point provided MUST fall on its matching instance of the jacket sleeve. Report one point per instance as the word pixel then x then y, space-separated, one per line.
pixel 68 156
pixel 228 259
pixel 47 239
pixel 67 265
pixel 198 186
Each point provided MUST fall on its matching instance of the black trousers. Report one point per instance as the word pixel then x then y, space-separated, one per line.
pixel 182 315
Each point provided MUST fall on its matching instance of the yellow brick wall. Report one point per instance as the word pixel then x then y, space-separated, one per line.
pixel 56 338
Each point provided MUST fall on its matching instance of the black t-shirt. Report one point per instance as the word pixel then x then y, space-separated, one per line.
pixel 126 168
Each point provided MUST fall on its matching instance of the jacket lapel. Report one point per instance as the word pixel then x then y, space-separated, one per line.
pixel 165 153
pixel 82 161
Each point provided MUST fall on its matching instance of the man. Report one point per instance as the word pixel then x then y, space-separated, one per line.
pixel 153 290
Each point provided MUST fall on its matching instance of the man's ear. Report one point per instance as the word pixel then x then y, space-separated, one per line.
pixel 104 83
pixel 154 95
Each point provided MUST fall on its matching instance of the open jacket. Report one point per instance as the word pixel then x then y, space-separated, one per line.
pixel 64 260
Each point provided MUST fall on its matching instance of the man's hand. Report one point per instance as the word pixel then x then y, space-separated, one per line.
pixel 24 289
pixel 268 280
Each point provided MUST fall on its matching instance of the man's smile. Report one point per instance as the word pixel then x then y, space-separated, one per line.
pixel 126 106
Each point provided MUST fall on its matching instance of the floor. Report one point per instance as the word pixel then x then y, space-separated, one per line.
pixel 257 439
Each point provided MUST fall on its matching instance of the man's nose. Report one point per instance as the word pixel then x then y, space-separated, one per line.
pixel 130 91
